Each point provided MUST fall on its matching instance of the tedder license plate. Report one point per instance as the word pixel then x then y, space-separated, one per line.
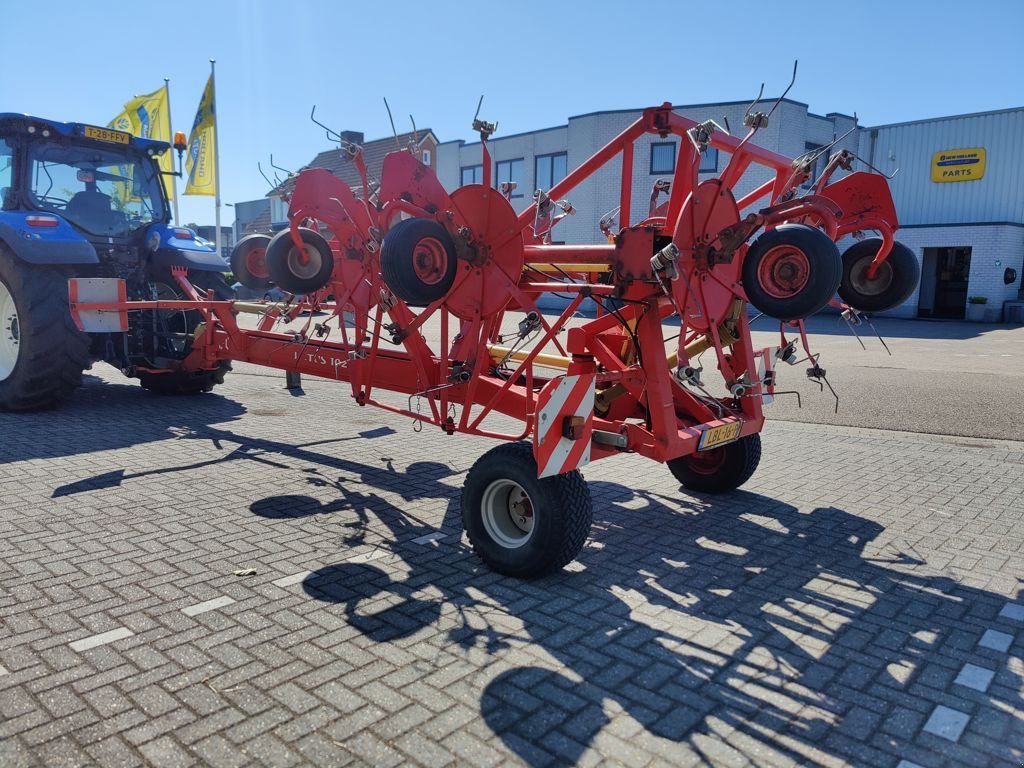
pixel 105 134
pixel 716 436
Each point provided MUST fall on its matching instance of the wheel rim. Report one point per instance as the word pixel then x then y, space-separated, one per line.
pixel 508 513
pixel 430 260
pixel 707 462
pixel 256 262
pixel 10 333
pixel 305 263
pixel 784 271
pixel 866 286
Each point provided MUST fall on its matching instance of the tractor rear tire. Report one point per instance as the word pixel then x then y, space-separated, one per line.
pixel 520 525
pixel 417 261
pixel 719 470
pixel 249 262
pixel 791 272
pixel 42 354
pixel 297 272
pixel 897 277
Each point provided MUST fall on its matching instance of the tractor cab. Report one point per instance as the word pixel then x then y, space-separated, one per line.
pixel 104 183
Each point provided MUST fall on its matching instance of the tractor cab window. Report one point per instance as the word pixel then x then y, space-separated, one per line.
pixel 103 192
pixel 6 160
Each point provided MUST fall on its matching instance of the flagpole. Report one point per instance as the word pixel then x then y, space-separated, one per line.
pixel 216 156
pixel 170 135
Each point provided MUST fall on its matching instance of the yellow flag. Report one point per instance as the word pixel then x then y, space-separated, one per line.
pixel 147 116
pixel 122 123
pixel 201 165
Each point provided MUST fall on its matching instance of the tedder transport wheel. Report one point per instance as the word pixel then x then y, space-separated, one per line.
pixel 249 262
pixel 520 525
pixel 417 261
pixel 299 271
pixel 721 469
pixel 42 354
pixel 895 280
pixel 792 271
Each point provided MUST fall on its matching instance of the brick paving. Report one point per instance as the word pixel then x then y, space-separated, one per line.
pixel 252 578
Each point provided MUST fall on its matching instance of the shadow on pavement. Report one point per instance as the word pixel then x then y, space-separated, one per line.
pixel 259 450
pixel 742 620
pixel 794 637
pixel 102 416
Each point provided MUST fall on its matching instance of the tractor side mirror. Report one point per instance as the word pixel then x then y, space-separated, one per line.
pixel 1009 276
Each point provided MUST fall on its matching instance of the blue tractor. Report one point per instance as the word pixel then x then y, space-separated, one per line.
pixel 82 201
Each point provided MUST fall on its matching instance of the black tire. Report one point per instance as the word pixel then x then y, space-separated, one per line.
pixel 185 382
pixel 249 262
pixel 721 469
pixel 191 382
pixel 897 277
pixel 792 271
pixel 46 353
pixel 559 513
pixel 286 269
pixel 417 261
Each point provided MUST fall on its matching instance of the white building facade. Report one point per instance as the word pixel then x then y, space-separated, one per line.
pixel 959 189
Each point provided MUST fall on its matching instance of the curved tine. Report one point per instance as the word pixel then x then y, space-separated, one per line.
pixel 395 132
pixel 879 171
pixel 788 88
pixel 278 167
pixel 331 133
pixel 754 102
pixel 265 177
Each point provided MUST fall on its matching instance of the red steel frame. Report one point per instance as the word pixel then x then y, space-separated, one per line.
pixel 644 407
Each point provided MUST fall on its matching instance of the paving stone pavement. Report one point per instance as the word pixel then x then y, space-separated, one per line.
pixel 252 578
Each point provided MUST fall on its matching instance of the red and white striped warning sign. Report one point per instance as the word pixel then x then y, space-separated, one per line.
pixel 560 442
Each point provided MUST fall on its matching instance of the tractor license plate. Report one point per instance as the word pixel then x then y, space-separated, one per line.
pixel 105 134
pixel 716 436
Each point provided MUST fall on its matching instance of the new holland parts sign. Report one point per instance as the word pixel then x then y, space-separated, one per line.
pixel 958 165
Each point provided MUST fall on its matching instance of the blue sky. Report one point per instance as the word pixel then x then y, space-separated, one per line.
pixel 536 62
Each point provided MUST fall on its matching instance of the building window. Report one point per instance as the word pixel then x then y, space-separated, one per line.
pixel 818 167
pixel 472 174
pixel 549 170
pixel 278 210
pixel 510 170
pixel 663 157
pixel 425 157
pixel 709 160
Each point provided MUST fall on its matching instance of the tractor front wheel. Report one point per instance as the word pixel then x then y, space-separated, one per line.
pixel 42 354
pixel 791 272
pixel 520 525
pixel 183 382
pixel 721 469
pixel 893 283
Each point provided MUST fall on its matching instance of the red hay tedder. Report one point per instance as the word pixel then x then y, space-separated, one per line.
pixel 388 259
